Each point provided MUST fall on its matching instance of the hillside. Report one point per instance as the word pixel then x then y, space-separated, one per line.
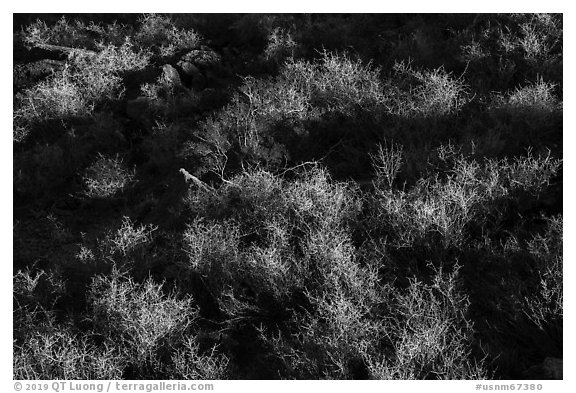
pixel 307 196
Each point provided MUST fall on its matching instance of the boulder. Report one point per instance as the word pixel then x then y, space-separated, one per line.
pixel 201 58
pixel 190 69
pixel 553 368
pixel 550 368
pixel 170 77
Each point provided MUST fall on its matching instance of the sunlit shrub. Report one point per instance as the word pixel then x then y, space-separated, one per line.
pixel 425 93
pixel 430 334
pixel 159 32
pixel 35 295
pixel 260 221
pixel 63 32
pixel 74 34
pixel 280 46
pixel 469 194
pixel 87 80
pixel 533 105
pixel 129 237
pixel 545 307
pixel 58 97
pixel 190 364
pixel 60 354
pixel 265 119
pixel 137 318
pixel 106 177
pixel 213 253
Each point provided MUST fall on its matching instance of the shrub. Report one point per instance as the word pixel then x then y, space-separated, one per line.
pixel 423 93
pixel 342 84
pixel 137 318
pixel 504 49
pixel 160 33
pixel 213 253
pixel 540 35
pixel 57 97
pixel 331 343
pixel 37 289
pixel 469 194
pixel 257 122
pixel 274 239
pixel 62 33
pixel 234 275
pixel 74 34
pixel 545 306
pixel 35 296
pixel 190 364
pixel 106 177
pixel 60 354
pixel 280 46
pixel 316 201
pixel 430 334
pixel 336 83
pixel 112 58
pixel 533 105
pixel 332 337
pixel 128 238
pixel 249 199
pixel 99 74
pixel 258 198
pixel 258 226
pixel 264 122
pixel 387 162
pixel 44 349
pixel 87 80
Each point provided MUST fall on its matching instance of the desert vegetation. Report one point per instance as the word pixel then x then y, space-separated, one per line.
pixel 307 196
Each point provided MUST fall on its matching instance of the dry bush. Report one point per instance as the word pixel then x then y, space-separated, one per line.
pixel 60 354
pixel 159 33
pixel 189 363
pixel 545 306
pixel 533 105
pixel 75 34
pixel 87 80
pixel 106 177
pixel 139 319
pixel 430 334
pixel 424 93
pixel 469 194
